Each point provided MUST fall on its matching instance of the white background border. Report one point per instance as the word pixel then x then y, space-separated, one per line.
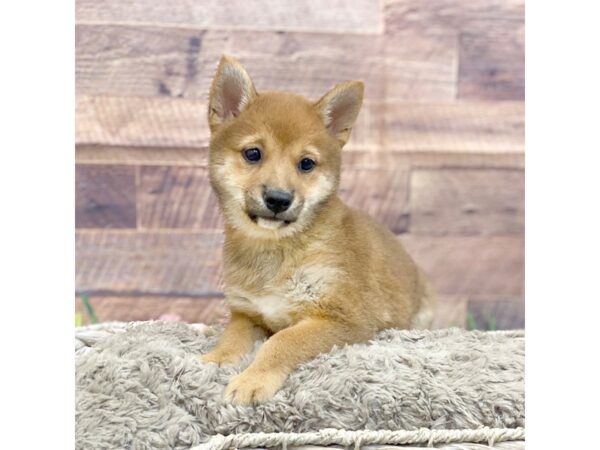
pixel 37 223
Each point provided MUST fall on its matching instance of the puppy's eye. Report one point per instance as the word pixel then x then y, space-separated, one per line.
pixel 306 164
pixel 252 155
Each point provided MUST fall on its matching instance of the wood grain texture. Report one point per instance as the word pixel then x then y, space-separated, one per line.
pixel 175 62
pixel 381 192
pixel 167 122
pixel 445 16
pixel 467 202
pixel 492 62
pixel 155 263
pixel 177 197
pixel 420 66
pixel 495 127
pixel 432 160
pixel 444 101
pixel 209 310
pixel 189 263
pixel 359 16
pixel 488 33
pixel 99 154
pixel 105 196
pixel 140 121
pixel 471 265
pixel 500 314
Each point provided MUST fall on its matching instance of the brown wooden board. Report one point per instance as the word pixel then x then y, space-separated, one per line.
pixel 471 265
pixel 358 16
pixel 142 156
pixel 189 263
pixel 481 127
pixel 380 192
pixel 140 121
pixel 467 202
pixel 176 62
pixel 172 122
pixel 492 62
pixel 435 16
pixel 141 263
pixel 177 197
pixel 198 157
pixel 105 196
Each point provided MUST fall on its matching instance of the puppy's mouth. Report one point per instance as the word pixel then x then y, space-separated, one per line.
pixel 271 222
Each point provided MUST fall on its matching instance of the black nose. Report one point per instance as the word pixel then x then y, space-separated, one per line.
pixel 277 200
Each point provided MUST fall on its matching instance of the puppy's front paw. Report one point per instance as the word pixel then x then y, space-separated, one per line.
pixel 252 387
pixel 220 358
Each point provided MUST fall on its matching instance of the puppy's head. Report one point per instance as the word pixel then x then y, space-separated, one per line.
pixel 275 157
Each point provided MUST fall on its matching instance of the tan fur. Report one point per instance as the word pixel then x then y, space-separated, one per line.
pixel 330 276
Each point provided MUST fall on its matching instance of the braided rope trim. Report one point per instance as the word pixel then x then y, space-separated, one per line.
pixel 330 436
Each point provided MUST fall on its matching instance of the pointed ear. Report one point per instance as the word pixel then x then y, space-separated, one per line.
pixel 231 92
pixel 339 108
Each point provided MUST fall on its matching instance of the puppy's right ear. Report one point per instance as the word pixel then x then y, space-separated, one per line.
pixel 231 92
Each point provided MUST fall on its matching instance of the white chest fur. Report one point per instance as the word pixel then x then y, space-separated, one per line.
pixel 276 302
pixel 274 310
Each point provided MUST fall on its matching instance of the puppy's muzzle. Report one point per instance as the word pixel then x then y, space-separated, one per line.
pixel 277 200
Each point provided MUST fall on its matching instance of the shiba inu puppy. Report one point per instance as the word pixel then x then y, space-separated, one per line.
pixel 300 267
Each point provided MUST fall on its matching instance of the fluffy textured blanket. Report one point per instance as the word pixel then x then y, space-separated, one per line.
pixel 140 386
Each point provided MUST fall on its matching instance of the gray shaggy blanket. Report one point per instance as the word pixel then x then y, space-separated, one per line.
pixel 140 386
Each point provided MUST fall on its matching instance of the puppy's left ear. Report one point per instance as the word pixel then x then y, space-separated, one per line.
pixel 339 108
pixel 231 92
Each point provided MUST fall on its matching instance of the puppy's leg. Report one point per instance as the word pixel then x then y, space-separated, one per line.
pixel 283 352
pixel 237 340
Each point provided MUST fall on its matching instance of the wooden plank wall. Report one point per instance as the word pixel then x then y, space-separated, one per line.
pixel 437 154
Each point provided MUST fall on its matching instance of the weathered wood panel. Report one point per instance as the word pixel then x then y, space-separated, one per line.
pixel 455 127
pixel 444 16
pixel 198 157
pixel 492 63
pixel 420 67
pixel 488 33
pixel 168 122
pixel 105 197
pixel 358 16
pixel 189 263
pixel 143 156
pixel 207 310
pixel 140 121
pixel 143 72
pixel 471 265
pixel 175 62
pixel 467 202
pixel 378 191
pixel 177 197
pixel 448 127
pixel 158 263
